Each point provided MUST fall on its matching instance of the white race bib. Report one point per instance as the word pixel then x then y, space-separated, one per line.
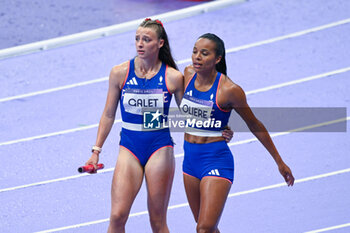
pixel 196 108
pixel 137 101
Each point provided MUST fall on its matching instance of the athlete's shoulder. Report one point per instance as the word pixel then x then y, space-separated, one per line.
pixel 189 71
pixel 230 93
pixel 118 73
pixel 227 85
pixel 174 79
pixel 121 69
pixel 174 73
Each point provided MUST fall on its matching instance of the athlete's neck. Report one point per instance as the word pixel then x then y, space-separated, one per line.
pixel 206 78
pixel 147 68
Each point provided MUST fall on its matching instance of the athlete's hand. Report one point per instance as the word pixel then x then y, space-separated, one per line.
pixel 93 161
pixel 227 134
pixel 286 173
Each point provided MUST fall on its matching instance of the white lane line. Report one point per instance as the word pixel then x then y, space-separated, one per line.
pixel 53 181
pixel 235 49
pixel 297 81
pixel 330 228
pixel 301 129
pixel 114 29
pixel 310 178
pixel 31 94
pixel 285 84
pixel 269 187
pixel 54 134
pixel 292 35
pixel 177 155
pixel 49 135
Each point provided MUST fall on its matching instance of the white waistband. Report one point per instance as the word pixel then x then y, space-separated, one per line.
pixel 138 127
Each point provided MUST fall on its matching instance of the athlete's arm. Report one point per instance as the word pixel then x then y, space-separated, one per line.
pixel 116 80
pixel 175 84
pixel 236 99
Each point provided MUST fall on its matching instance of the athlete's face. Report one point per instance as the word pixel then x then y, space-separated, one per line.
pixel 204 56
pixel 147 42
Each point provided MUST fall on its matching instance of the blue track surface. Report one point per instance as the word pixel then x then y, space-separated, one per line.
pixel 315 203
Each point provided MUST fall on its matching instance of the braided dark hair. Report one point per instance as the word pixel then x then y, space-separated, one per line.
pixel 164 52
pixel 219 50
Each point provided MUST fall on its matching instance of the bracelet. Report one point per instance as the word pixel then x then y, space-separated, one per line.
pixel 96 148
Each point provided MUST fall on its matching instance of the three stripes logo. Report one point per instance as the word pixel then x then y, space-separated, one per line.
pixel 132 81
pixel 214 172
pixel 189 93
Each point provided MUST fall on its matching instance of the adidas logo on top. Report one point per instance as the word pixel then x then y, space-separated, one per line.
pixel 132 81
pixel 189 93
pixel 214 172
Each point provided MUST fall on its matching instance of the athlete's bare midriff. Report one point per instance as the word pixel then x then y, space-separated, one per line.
pixel 202 140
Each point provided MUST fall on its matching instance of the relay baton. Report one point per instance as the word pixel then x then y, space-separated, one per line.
pixel 90 168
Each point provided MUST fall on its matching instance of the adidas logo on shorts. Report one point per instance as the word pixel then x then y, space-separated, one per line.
pixel 214 172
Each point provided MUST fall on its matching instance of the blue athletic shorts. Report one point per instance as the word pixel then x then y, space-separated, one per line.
pixel 144 144
pixel 210 159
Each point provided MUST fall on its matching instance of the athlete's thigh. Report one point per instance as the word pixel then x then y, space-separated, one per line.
pixel 213 195
pixel 193 193
pixel 159 174
pixel 127 180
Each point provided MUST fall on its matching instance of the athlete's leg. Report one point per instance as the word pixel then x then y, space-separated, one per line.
pixel 213 195
pixel 159 174
pixel 127 180
pixel 193 195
